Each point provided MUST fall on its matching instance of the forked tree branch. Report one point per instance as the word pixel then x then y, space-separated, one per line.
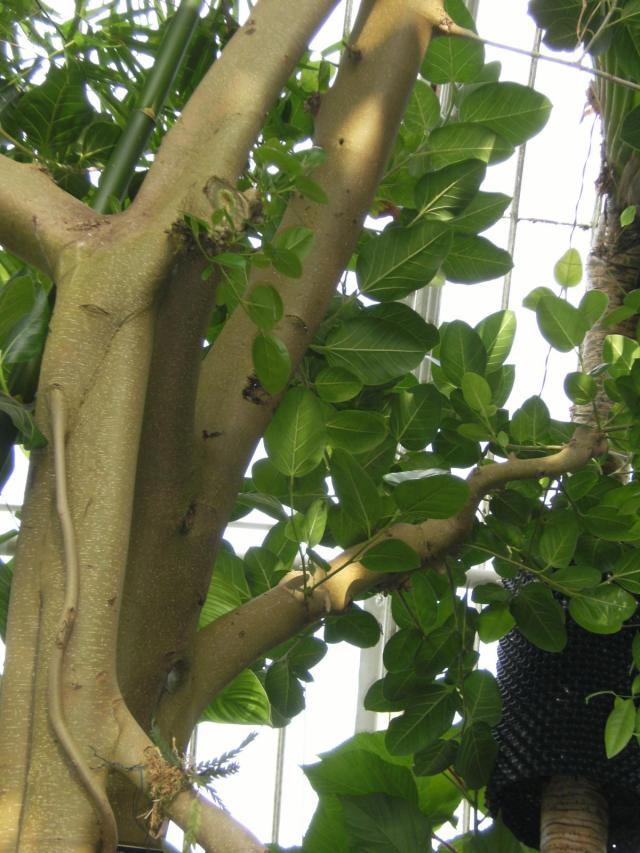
pixel 37 218
pixel 249 631
pixel 227 110
pixel 137 758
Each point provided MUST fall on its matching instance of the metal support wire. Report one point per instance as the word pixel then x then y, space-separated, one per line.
pixel 517 188
pixel 278 785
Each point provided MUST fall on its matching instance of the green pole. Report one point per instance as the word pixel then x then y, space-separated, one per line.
pixel 119 170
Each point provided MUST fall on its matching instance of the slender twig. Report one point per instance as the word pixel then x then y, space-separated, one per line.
pixel 69 610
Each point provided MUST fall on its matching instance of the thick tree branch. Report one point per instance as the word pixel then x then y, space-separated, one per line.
pixel 279 614
pixel 356 126
pixel 138 759
pixel 225 113
pixel 37 218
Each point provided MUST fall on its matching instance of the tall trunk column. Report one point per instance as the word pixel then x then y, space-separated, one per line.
pixel 575 817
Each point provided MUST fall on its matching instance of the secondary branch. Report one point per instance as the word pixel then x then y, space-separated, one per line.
pixel 279 614
pixel 227 110
pixel 37 218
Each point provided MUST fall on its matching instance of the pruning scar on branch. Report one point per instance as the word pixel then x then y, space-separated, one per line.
pixel 65 629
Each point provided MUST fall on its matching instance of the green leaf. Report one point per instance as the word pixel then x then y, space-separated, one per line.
pixel 439 652
pixel 244 700
pixel 356 490
pixel 422 113
pixel 377 350
pixel 356 430
pixel 336 384
pixel 440 496
pixel 628 215
pixel 561 325
pixel 355 626
pixel 305 654
pixel 459 141
pixel 400 650
pixel 626 571
pixel 481 698
pixel 593 305
pixel 6 576
pixel 21 418
pixel 391 555
pixel 461 351
pixel 580 388
pixel 425 721
pixel 316 521
pixel 359 771
pixel 497 332
pixel 263 569
pixel 445 192
pixel 285 262
pixel 530 423
pixel 272 362
pixel 311 189
pixel 513 111
pixel 484 210
pixel 415 416
pixel 473 259
pixel 451 59
pixel 401 260
pixel 540 617
pixel 609 523
pixel 264 306
pixel 494 622
pixel 272 154
pixel 477 755
pixel 559 538
pixel 285 692
pixel 620 726
pixel 435 758
pixel 477 394
pixel 296 239
pixel 602 610
pixel 296 436
pixel 24 319
pixel 568 270
pixel 379 823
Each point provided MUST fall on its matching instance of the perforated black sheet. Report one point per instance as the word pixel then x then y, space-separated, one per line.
pixel 549 729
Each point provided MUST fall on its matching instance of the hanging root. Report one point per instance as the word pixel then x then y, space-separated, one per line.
pixel 63 635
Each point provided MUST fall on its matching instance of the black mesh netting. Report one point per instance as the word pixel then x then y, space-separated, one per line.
pixel 548 729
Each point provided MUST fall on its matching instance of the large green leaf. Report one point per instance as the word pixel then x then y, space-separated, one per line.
pixel 562 325
pixel 423 722
pixel 382 824
pixel 440 496
pixel 400 260
pixel 415 416
pixel 359 771
pixel 626 571
pixel 540 617
pixel 391 555
pixel 559 539
pixel 513 111
pixel 497 332
pixel 602 610
pixel 481 698
pixel 452 59
pixel 477 754
pixel 296 436
pixel 530 423
pixel 453 143
pixel 422 113
pixel 620 726
pixel 446 192
pixel 461 351
pixel 272 362
pixel 244 700
pixel 484 210
pixel 356 490
pixel 356 430
pixel 336 384
pixel 376 349
pixel 473 259
pixel 285 692
pixel 355 626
